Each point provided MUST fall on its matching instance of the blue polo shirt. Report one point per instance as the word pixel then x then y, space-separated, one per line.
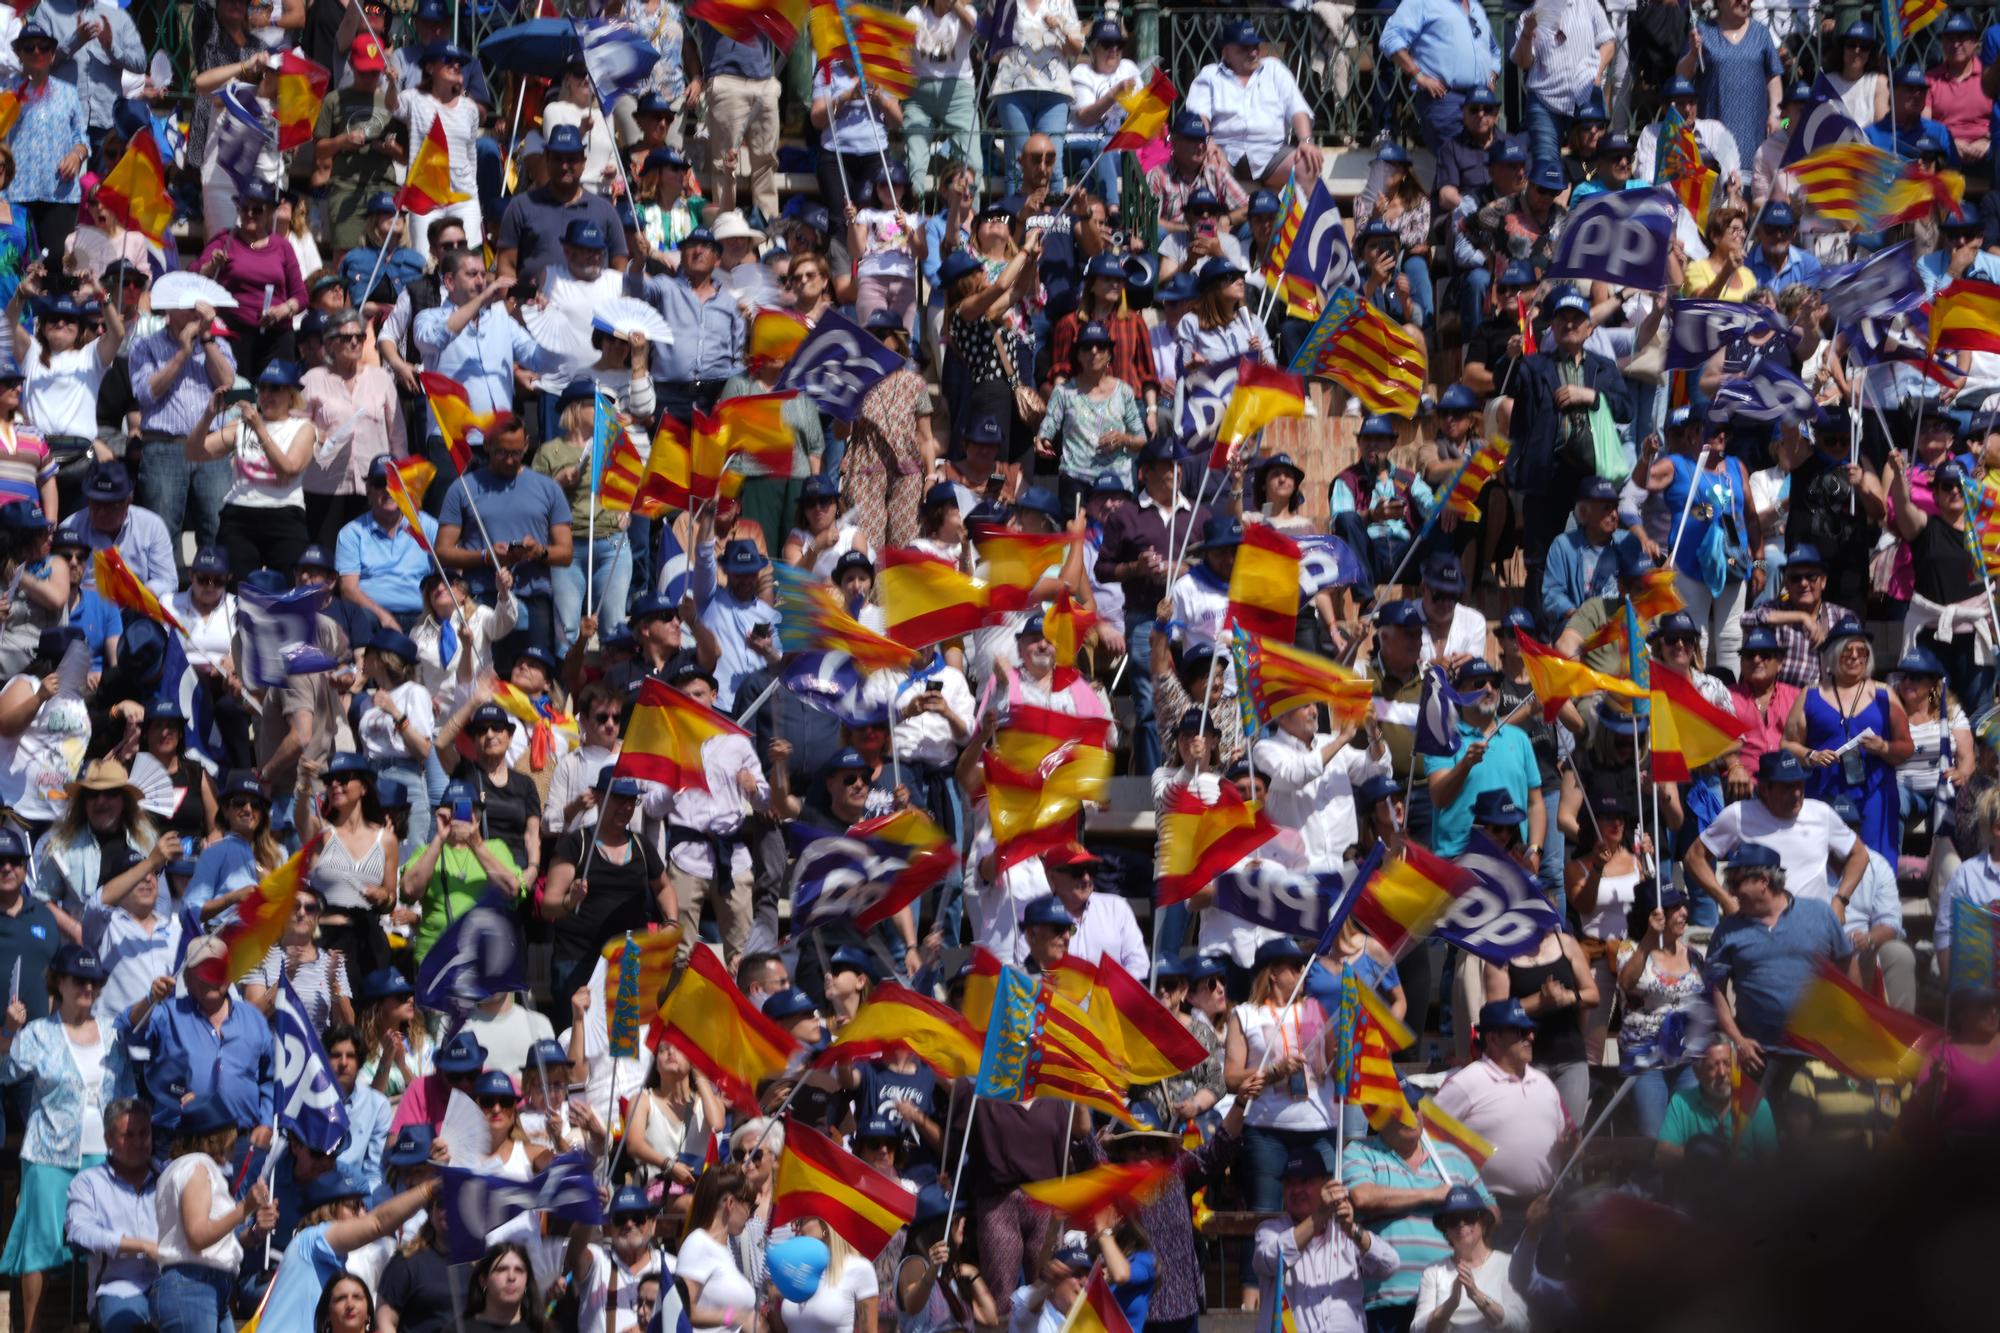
pixel 1901 137
pixel 1508 765
pixel 527 505
pixel 1800 266
pixel 99 621
pixel 226 865
pixel 1770 965
pixel 309 1264
pixel 390 565
pixel 235 1064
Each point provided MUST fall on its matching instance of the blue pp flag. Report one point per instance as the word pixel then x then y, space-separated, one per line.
pixel 1321 256
pixel 280 635
pixel 1702 328
pixel 179 682
pixel 1291 902
pixel 831 682
pixel 310 1106
pixel 1437 716
pixel 475 1205
pixel 837 365
pixel 477 957
pixel 1878 286
pixel 1504 913
pixel 1204 395
pixel 618 58
pixel 1620 237
pixel 1328 562
pixel 1767 392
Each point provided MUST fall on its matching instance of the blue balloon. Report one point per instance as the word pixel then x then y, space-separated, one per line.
pixel 796 1267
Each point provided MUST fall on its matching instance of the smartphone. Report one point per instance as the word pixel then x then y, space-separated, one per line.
pixel 461 810
pixel 235 396
pixel 935 686
pixel 1205 228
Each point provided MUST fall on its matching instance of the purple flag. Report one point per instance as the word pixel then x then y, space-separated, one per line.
pixel 1702 328
pixel 1620 237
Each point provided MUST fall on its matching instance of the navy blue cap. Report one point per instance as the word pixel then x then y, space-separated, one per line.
pixel 1190 125
pixel 431 11
pixel 1805 553
pixel 281 373
pixel 584 235
pixel 1205 967
pixel 1778 213
pixel 1392 152
pixel 12 844
pixel 1567 298
pixel 541 657
pixel 1373 791
pixel 1507 153
pixel 1281 462
pixel 1165 449
pixel 1202 200
pixel 1847 627
pixel 1264 204
pixel 1106 265
pixel 1281 949
pixel 1403 613
pixel 1109 483
pixel 164 709
pixel 1215 272
pixel 1474 671
pixel 243 782
pixel 1307 1163
pixel 848 760
pixel 1443 572
pixel 394 641
pixel 1632 558
pixel 1496 807
pixel 1242 33
pixel 852 560
pixel 1675 624
pixel 1169 968
pixel 790 1002
pixel 23 516
pixel 630 1199
pixel 741 556
pixel 390 794
pixel 350 762
pixel 610 782
pixel 1755 855
pixel 334 1186
pixel 73 960
pixel 1106 31
pixel 412 1146
pixel 496 1083
pixel 210 560
pixel 462 1055
pixel 668 159
pixel 1458 398
pixel 1495 1015
pixel 849 958
pixel 1761 639
pixel 1481 96
pixel 1221 530
pixel 1518 273
pixel 984 429
pixel 1959 23
pixel 1519 617
pixel 1548 176
pixel 563 139
pixel 1094 334
pixel 315 556
pixel 653 104
pixel 1375 230
pixel 443 51
pixel 1593 111
pixel 1180 287
pixel 1613 145
pixel 382 984
pixel 957 265
pixel 1920 661
pixel 1912 76
pixel 1034 627
pixel 1047 910
pixel 1040 500
pixel 1845 810
pixel 1678 86
pixel 257 190
pixel 1861 30
pixel 1459 1201
pixel 1780 766
pixel 1799 91
pixel 1378 424
pixel 1597 488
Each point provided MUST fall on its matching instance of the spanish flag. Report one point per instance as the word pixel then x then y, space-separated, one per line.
pixel 1041 742
pixel 753 428
pixel 1075 978
pixel 644 965
pixel 1199 841
pixel 118 585
pixel 135 191
pixel 1456 1132
pixel 1556 678
pixel 1124 1186
pixel 302 87
pixel 451 408
pixel 1688 730
pixel 685 467
pixel 774 336
pixel 1147 110
pixel 1096 1311
pixel 1965 317
pixel 926 600
pixel 721 1033
pixel 1154 1045
pixel 895 1018
pixel 884 44
pixel 1029 816
pixel 1280 678
pixel 818 1178
pixel 1838 1022
pixel 815 620
pixel 1067 625
pixel 1409 896
pixel 931 856
pixel 664 739
pixel 1474 474
pixel 1012 563
pixel 780 21
pixel 1264 585
pixel 1080 1036
pixel 1263 394
pixel 408 479
pixel 427 187
pixel 262 917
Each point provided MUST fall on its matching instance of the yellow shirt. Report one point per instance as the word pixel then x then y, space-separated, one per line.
pixel 1701 273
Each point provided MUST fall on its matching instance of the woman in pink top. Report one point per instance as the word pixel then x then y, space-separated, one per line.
pixel 261 271
pixel 1962 1093
pixel 353 407
pixel 1761 702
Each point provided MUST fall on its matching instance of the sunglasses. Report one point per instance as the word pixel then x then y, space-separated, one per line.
pixel 603 718
pixel 211 580
pixel 344 338
pixel 1038 157
pixel 306 906
pixel 853 779
pixel 13 863
pixel 495 1103
pixel 1806 575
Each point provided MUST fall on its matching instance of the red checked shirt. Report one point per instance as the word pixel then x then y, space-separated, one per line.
pixel 1131 352
pixel 1167 186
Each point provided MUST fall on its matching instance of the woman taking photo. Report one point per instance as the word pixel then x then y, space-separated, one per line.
pixel 199 1247
pixel 982 368
pixel 1093 423
pixel 36 584
pixel 718 1294
pixel 75 1067
pixel 504 1296
pixel 1662 982
pixel 354 870
pixel 1403 206
pixel 397 726
pixel 59 399
pixel 352 407
pixel 603 880
pixel 1221 328
pixel 1851 732
pixel 264 514
pixel 674 1115
pixel 260 270
pixel 512 804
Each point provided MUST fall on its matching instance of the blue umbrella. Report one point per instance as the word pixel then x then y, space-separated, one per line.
pixel 541 47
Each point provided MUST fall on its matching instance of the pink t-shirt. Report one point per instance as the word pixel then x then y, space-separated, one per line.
pixel 1762 734
pixel 1958 104
pixel 1971 1095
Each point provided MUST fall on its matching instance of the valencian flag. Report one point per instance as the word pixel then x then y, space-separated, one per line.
pixel 408 479
pixel 1124 1186
pixel 1873 188
pixel 624 470
pixel 118 585
pixel 451 408
pixel 1688 731
pixel 1372 356
pixel 664 739
pixel 814 620
pixel 774 336
pixel 1278 678
pixel 895 1018
pixel 1400 905
pixel 1475 473
pixel 883 49
pixel 135 191
pixel 1454 1131
pixel 926 600
pixel 1263 394
pixel 1147 109
pixel 781 21
pixel 1838 1022
pixel 1291 215
pixel 543 720
pixel 1264 585
pixel 427 188
pixel 721 1033
pixel 1199 841
pixel 1152 1044
pixel 1555 678
pixel 262 917
pixel 1080 1038
pixel 1680 166
pixel 1394 1031
pixel 1904 19
pixel 643 964
pixel 817 1177
pixel 1066 625
pixel 1376 1087
pixel 302 87
pixel 1965 317
pixel 1012 563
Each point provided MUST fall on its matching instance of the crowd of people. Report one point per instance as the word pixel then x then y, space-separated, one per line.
pixel 230 420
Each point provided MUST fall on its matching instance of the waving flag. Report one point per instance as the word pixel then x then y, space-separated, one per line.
pixel 406 482
pixel 1965 317
pixel 1444 1125
pixel 1436 731
pixel 1205 394
pixel 1029 816
pixel 1291 902
pixel 427 187
pixel 894 1018
pixel 752 428
pixel 1263 394
pixel 1904 19
pixel 926 600
pixel 1474 475
pixel 1702 328
pixel 1620 237
pixel 474 1204
pixel 859 879
pixel 1013 1009
pixel 1823 124
pixel 624 472
pixel 1326 561
pixel 816 1177
pixel 643 964
pixel 302 87
pixel 1504 912
pixel 1374 1085
pixel 1689 732
pixel 1768 392
pixel 1151 1043
pixel 261 918
pixel 1877 286
pixel 1125 1187
pixel 180 683
pixel 664 739
pixel 1411 895
pixel 831 682
pixel 1047 744
pixel 1264 584
pixel 451 408
pixel 1372 356
pixel 1199 841
pixel 118 585
pixel 478 956
pixel 781 21
pixel 1013 563
pixel 279 635
pixel 883 48
pixel 1147 110
pixel 1838 1022
pixel 1321 256
pixel 618 57
pixel 686 466
pixel 10 112
pixel 1066 625
pixel 838 364
pixel 721 1033
pixel 1680 166
pixel 1555 678
pixel 1873 188
pixel 240 133
pixel 1280 677
pixel 310 1106
pixel 135 191
pixel 815 620
pixel 774 336
pixel 544 721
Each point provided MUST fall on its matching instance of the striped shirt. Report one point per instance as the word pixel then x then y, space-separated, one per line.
pixel 1414 1233
pixel 180 408
pixel 316 982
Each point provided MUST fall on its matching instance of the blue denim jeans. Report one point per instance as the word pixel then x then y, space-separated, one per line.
pixel 1554 846
pixel 123 1314
pixel 537 627
pixel 1077 155
pixel 610 585
pixel 1423 297
pixel 1473 285
pixel 1545 128
pixel 1652 1090
pixel 189 1298
pixel 1022 114
pixel 1146 750
pixel 187 496
pixel 1439 118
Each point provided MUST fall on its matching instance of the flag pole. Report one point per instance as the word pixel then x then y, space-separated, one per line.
pixel 1438 509
pixel 958 1172
pixel 759 701
pixel 1602 1117
pixel 471 502
pixel 1431 1149
pixel 604 117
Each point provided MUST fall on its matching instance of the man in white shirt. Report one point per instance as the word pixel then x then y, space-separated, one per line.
pixel 1311 777
pixel 576 290
pixel 1104 921
pixel 1319 1251
pixel 629 1254
pixel 1250 103
pixel 1803 832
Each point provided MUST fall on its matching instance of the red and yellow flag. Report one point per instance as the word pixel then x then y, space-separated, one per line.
pixel 884 45
pixel 752 428
pixel 818 1178
pixel 1375 1087
pixel 1555 678
pixel 1681 167
pixel 926 600
pixel 932 855
pixel 781 21
pixel 1012 563
pixel 118 585
pixel 1838 1022
pixel 1281 678
pixel 1263 394
pixel 10 111
pixel 1029 816
pixel 1153 1044
pixel 543 721
pixel 1456 1132
pixel 1394 1030
pixel 135 191
pixel 815 619
pixel 624 472
pixel 721 1033
pixel 1873 188
pixel 1038 741
pixel 408 479
pixel 895 1018
pixel 302 87
pixel 685 467
pixel 1965 317
pixel 1264 585
pixel 1147 110
pixel 664 739
pixel 427 187
pixel 774 336
pixel 1688 731
pixel 262 917
pixel 1124 1186
pixel 1200 841
pixel 1098 1310
pixel 451 408
pixel 1066 625
pixel 1473 478
pixel 1409 896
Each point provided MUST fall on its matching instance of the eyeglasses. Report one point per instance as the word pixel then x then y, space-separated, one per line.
pixel 853 779
pixel 1038 157
pixel 307 907
pixel 1806 575
pixel 754 1155
pixel 631 1220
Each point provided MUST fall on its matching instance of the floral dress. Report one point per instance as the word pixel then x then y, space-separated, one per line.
pixel 881 475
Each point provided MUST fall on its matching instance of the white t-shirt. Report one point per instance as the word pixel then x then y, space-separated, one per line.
pixel 596 1287
pixel 227 1253
pixel 210 639
pixel 1802 844
pixel 1090 85
pixel 382 741
pixel 90 1068
pixel 702 1259
pixel 37 765
pixel 831 1309
pixel 60 398
pixel 461 133
pixel 254 482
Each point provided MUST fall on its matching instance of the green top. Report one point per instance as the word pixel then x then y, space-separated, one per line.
pixel 553 457
pixel 457 884
pixel 1690 1117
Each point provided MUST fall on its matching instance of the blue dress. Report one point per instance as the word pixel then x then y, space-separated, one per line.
pixel 1732 81
pixel 1875 794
